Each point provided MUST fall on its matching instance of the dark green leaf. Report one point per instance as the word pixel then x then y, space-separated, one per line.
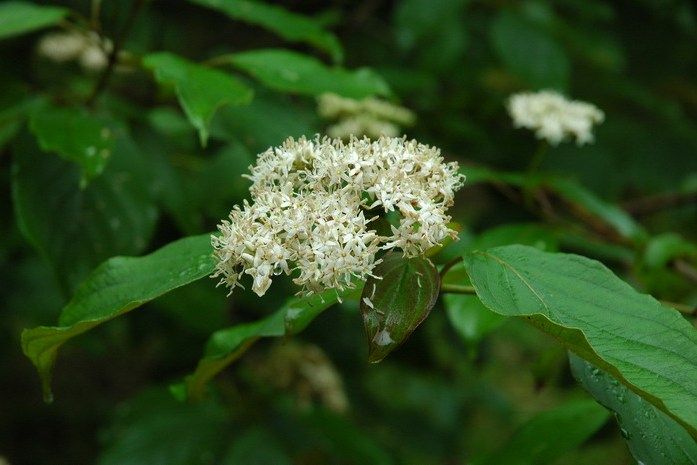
pixel 117 286
pixel 75 135
pixel 397 302
pixel 76 229
pixel 21 17
pixel 587 308
pixel 652 436
pixel 227 345
pixel 530 53
pixel 293 72
pixel 549 435
pixel 200 90
pixel 256 447
pixel 155 429
pixel 291 26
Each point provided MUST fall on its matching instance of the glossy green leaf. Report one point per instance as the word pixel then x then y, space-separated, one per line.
pixel 227 345
pixel 76 229
pixel 291 26
pixel 549 435
pixel 294 72
pixel 470 318
pixel 22 17
pixel 652 436
pixel 75 135
pixel 117 286
pixel 583 305
pixel 529 52
pixel 397 302
pixel 201 90
pixel 155 429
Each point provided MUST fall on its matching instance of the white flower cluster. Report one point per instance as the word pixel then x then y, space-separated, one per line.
pixel 368 117
pixel 313 202
pixel 89 49
pixel 553 117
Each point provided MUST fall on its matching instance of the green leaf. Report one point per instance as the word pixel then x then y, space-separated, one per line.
pixel 549 435
pixel 117 286
pixel 294 72
pixel 75 135
pixel 155 429
pixel 660 250
pixel 395 303
pixel 200 90
pixel 227 345
pixel 256 447
pixel 587 202
pixel 470 318
pixel 76 229
pixel 18 18
pixel 291 26
pixel 652 436
pixel 529 52
pixel 583 305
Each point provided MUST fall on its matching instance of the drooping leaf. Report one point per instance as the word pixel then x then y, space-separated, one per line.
pixel 201 90
pixel 583 305
pixel 294 72
pixel 75 135
pixel 76 229
pixel 256 447
pixel 291 26
pixel 155 429
pixel 117 286
pixel 394 305
pixel 18 18
pixel 549 435
pixel 227 345
pixel 652 436
pixel 529 52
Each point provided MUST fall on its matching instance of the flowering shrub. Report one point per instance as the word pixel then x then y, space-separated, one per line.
pixel 425 251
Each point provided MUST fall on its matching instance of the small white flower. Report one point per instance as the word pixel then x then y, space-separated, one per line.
pixel 368 117
pixel 553 117
pixel 313 202
pixel 62 46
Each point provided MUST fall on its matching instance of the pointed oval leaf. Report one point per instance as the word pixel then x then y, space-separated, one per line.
pixel 75 135
pixel 227 345
pixel 200 90
pixel 652 436
pixel 117 286
pixel 581 303
pixel 294 72
pixel 22 17
pixel 396 302
pixel 291 26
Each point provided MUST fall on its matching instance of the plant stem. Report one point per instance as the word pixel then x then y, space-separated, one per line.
pixel 537 158
pixel 449 265
pixel 456 289
pixel 682 308
pixel 119 41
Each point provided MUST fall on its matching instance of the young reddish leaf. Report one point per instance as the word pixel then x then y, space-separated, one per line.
pixel 397 302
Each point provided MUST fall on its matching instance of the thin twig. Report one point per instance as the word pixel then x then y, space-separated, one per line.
pixel 449 265
pixel 456 289
pixel 119 41
pixel 682 308
pixel 658 202
pixel 685 269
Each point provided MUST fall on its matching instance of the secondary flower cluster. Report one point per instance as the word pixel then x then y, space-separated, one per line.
pixel 314 203
pixel 368 117
pixel 553 117
pixel 89 49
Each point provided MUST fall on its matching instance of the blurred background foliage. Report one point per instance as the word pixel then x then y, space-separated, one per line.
pixel 468 387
